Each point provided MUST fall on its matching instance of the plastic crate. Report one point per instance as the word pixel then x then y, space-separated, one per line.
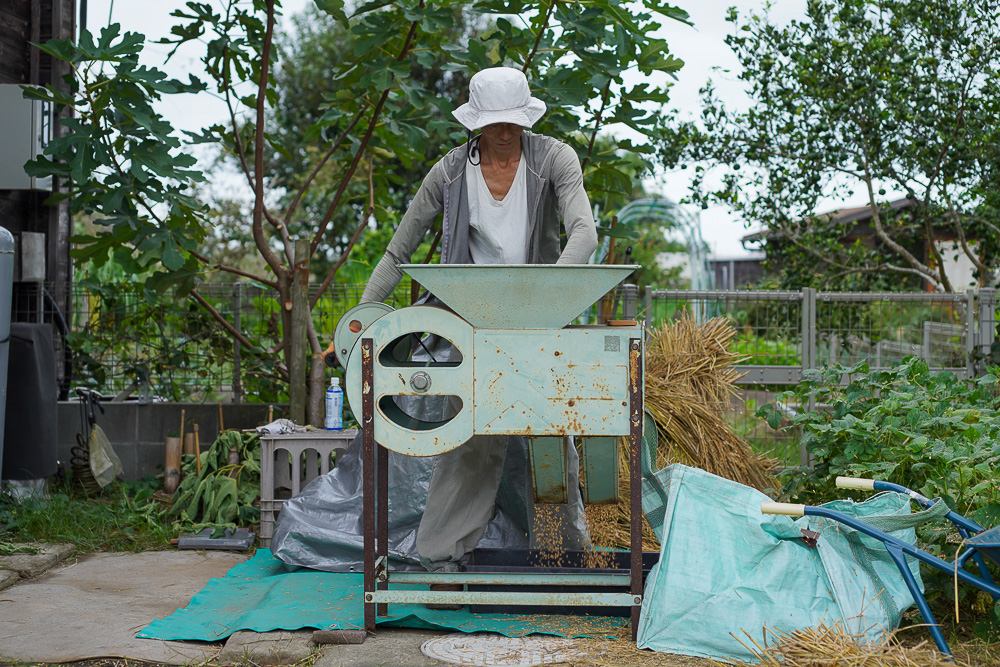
pixel 290 461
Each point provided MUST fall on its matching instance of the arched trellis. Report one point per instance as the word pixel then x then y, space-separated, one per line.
pixel 681 219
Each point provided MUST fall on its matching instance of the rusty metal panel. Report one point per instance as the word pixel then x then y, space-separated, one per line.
pixel 552 382
pixel 548 469
pixel 599 468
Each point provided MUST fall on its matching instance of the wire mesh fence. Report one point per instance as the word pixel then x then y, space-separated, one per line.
pixel 126 341
pixel 781 334
pixel 121 340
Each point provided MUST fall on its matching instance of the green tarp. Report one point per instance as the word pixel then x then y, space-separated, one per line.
pixel 262 594
pixel 729 576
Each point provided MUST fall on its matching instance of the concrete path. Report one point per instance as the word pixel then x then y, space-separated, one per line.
pixel 55 608
pixel 92 606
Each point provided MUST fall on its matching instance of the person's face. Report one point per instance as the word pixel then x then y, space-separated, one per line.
pixel 503 137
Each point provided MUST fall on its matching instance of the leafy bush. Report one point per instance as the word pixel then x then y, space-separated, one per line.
pixel 930 432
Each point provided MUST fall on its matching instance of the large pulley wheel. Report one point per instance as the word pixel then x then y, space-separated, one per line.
pixel 410 360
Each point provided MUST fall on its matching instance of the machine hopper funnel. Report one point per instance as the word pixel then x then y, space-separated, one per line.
pixel 519 296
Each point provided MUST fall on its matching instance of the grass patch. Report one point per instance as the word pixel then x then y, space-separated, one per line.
pixel 127 516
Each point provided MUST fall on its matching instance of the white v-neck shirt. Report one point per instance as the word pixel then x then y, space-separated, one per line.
pixel 498 230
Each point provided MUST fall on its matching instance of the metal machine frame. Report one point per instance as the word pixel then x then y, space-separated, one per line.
pixel 377 577
pixel 567 415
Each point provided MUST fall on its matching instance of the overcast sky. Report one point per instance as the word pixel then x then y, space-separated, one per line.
pixel 701 47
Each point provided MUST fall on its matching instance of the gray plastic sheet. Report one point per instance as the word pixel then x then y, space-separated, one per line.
pixel 321 528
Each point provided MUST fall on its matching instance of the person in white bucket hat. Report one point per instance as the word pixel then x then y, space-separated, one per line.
pixel 501 198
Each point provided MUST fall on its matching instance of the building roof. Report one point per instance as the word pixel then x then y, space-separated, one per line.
pixel 840 215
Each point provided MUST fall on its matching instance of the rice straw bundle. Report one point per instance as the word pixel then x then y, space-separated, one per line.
pixel 835 647
pixel 689 381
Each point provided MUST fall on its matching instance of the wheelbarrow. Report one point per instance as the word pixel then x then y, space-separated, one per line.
pixel 982 545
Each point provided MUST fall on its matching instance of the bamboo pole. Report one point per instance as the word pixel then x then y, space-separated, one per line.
pixel 171 464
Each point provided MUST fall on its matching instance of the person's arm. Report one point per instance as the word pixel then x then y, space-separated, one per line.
pixel 574 207
pixel 427 204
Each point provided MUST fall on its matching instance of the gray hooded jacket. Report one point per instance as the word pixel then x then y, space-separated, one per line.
pixel 555 192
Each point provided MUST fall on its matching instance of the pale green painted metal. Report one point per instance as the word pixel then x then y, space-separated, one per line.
pixel 364 314
pixel 570 381
pixel 505 598
pixel 493 578
pixel 599 465
pixel 548 469
pixel 519 296
pixel 394 430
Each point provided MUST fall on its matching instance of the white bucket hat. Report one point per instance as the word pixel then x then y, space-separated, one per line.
pixel 499 95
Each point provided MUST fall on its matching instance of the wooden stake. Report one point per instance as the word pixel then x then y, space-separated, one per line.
pixel 197 449
pixel 182 424
pixel 270 414
pixel 221 426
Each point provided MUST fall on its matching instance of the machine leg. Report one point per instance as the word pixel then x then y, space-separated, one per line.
pixel 382 524
pixel 368 474
pixel 897 556
pixel 635 453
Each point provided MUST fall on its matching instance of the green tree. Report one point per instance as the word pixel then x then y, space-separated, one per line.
pixel 131 170
pixel 861 96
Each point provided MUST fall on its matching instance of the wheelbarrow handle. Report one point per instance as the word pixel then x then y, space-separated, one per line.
pixel 855 483
pixel 788 509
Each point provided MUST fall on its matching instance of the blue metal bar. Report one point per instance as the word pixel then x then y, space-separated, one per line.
pixel 510 578
pixel 897 557
pixel 555 599
pixel 910 550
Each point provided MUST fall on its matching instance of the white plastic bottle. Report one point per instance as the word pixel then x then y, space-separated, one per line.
pixel 334 406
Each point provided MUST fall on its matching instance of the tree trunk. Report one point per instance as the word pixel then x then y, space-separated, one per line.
pixel 316 391
pixel 298 343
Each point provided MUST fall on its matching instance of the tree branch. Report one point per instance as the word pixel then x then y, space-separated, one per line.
pixel 340 262
pixel 258 205
pixel 597 122
pixel 305 186
pixel 231 269
pixel 538 38
pixel 960 229
pixel 925 270
pixel 221 320
pixel 361 147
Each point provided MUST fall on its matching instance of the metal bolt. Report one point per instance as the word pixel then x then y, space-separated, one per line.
pixel 637 599
pixel 369 597
pixel 420 381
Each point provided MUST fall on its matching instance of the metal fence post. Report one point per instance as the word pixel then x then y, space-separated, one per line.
pixel 808 337
pixel 631 295
pixel 237 311
pixel 987 319
pixel 647 320
pixel 970 333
